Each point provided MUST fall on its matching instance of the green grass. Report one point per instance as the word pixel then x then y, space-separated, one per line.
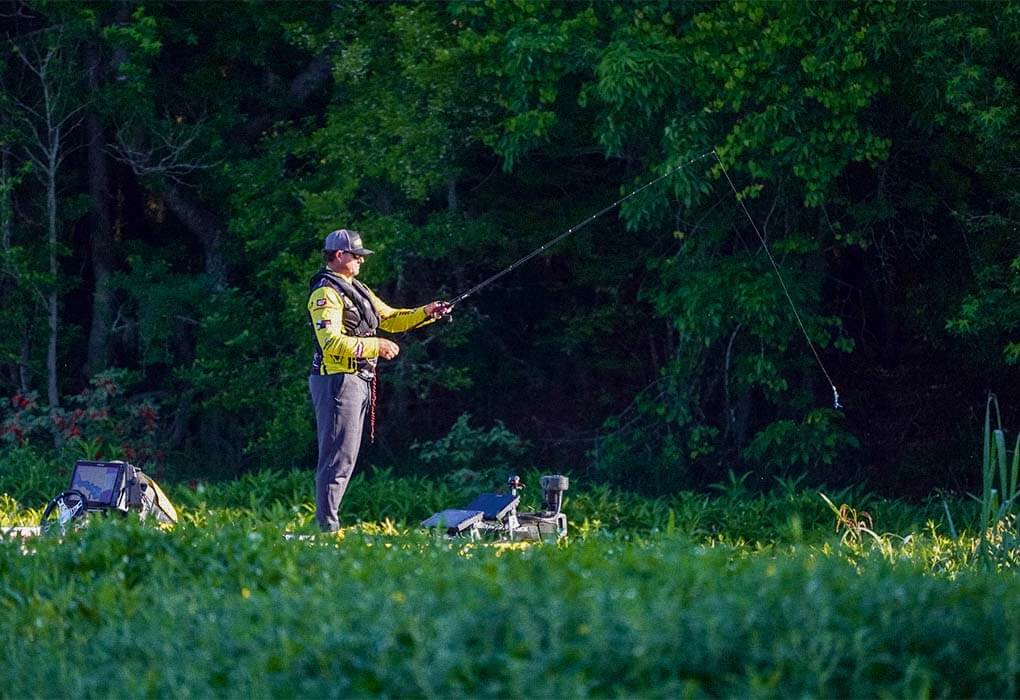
pixel 733 594
pixel 227 609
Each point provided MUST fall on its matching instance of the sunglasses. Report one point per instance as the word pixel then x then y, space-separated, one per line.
pixel 355 255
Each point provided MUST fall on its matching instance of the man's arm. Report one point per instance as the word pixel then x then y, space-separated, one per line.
pixel 396 320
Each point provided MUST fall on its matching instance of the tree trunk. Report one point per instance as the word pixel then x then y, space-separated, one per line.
pixel 23 366
pixel 316 74
pixel 6 207
pixel 53 394
pixel 204 224
pixel 102 236
pixel 452 203
pixel 18 369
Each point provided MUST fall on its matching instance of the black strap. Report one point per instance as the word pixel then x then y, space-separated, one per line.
pixel 357 293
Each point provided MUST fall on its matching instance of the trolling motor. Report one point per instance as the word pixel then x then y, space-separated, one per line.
pixel 106 487
pixel 495 514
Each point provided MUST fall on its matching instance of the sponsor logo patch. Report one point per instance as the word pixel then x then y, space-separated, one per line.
pixel 320 302
pixel 324 323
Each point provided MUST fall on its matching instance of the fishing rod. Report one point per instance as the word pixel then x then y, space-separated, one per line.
pixel 573 229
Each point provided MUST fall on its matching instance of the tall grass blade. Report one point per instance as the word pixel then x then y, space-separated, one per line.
pixel 832 506
pixel 949 520
pixel 1015 471
pixel 1002 457
pixel 987 474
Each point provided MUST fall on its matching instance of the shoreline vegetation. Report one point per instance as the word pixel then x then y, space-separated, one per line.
pixel 731 593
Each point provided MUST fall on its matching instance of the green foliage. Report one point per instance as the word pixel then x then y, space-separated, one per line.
pixel 234 376
pixel 1000 488
pixel 227 603
pixel 30 478
pixel 820 440
pixel 165 306
pixel 653 442
pixel 977 101
pixel 872 145
pixel 24 286
pixel 768 85
pixel 992 315
pixel 104 421
pixel 465 447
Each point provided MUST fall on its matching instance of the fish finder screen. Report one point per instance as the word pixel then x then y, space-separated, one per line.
pixel 97 481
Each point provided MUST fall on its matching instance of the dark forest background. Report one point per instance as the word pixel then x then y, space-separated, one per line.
pixel 170 169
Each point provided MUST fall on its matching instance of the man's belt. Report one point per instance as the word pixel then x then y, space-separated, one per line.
pixel 320 371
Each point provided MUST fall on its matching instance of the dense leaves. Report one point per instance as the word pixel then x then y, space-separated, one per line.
pixel 211 146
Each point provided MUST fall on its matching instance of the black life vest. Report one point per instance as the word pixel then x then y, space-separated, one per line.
pixel 360 317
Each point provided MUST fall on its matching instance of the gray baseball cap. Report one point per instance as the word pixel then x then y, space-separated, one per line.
pixel 343 239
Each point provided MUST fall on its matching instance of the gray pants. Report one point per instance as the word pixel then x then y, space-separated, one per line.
pixel 340 402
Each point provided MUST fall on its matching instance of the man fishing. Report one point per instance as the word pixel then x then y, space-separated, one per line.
pixel 345 315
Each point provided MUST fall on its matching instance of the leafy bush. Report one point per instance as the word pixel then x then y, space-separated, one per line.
pixel 789 446
pixel 102 422
pixel 467 447
pixel 29 478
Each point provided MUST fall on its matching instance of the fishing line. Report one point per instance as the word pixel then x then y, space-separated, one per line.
pixel 576 227
pixel 782 282
pixel 573 229
pixel 513 266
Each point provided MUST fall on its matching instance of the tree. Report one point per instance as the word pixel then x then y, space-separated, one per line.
pixel 16 344
pixel 48 116
pixel 872 144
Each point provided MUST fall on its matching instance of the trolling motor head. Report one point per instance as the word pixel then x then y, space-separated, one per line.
pixel 553 487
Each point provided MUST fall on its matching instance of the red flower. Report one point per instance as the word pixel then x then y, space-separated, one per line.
pixel 149 415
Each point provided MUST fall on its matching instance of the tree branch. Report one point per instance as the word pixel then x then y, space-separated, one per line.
pixel 169 158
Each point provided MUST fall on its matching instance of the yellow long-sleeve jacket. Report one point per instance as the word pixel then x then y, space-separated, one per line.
pixel 344 332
